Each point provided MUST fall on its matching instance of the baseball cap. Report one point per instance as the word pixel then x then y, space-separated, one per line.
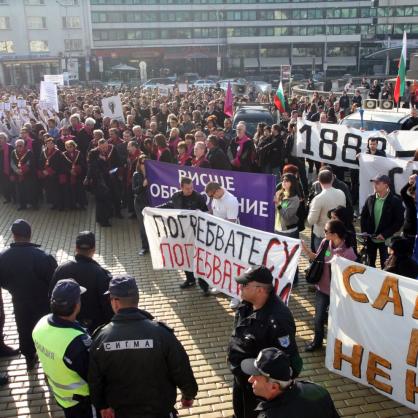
pixel 66 292
pixel 381 178
pixel 122 286
pixel 21 228
pixel 260 274
pixel 270 362
pixel 85 240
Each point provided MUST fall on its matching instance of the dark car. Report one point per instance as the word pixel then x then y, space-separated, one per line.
pixel 252 116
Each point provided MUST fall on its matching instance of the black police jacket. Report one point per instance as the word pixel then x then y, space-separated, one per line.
pixel 302 399
pixel 26 271
pixel 136 364
pixel 271 326
pixel 95 306
pixel 180 201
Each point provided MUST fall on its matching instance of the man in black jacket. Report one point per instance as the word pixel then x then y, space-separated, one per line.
pixel 216 157
pixel 136 363
pixel 382 216
pixel 26 271
pixel 95 309
pixel 189 199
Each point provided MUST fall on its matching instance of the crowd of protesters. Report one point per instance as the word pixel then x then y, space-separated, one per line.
pixel 56 158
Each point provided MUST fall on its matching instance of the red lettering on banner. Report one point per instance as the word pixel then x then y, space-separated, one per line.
pixel 240 270
pixel 162 245
pixel 208 268
pixel 198 253
pixel 216 270
pixel 177 248
pixel 288 257
pixel 186 250
pixel 227 273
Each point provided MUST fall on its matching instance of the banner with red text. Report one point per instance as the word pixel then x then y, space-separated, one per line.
pixel 373 330
pixel 217 250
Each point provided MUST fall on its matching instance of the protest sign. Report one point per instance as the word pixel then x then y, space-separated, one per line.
pixel 48 95
pixel 339 144
pixel 254 191
pixel 183 88
pixel 57 79
pixel 7 106
pixel 163 90
pixel 21 103
pixel 217 250
pixel 370 166
pixel 112 107
pixel 372 329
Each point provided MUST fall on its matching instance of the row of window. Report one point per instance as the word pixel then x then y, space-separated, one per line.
pixel 7 47
pixel 64 3
pixel 159 2
pixel 39 22
pixel 190 33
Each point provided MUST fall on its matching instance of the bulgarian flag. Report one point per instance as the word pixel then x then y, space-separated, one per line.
pixel 400 80
pixel 279 98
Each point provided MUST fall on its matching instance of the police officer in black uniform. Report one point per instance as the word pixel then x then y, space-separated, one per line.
pixel 26 271
pixel 136 363
pixel 271 379
pixel 262 320
pixel 95 309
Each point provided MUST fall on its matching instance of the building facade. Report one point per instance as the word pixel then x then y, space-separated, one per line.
pixel 247 36
pixel 40 37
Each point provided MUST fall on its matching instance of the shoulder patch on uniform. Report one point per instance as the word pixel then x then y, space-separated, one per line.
pixel 284 341
pixel 163 324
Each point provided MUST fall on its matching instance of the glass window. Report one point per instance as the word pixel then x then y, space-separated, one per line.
pixel 4 22
pixel 6 47
pixel 73 44
pixel 38 46
pixel 34 2
pixel 282 30
pixel 71 22
pixel 36 22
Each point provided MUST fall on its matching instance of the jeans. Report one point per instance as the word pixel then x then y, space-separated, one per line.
pixel 372 248
pixel 321 307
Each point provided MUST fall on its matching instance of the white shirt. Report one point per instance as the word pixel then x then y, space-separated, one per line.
pixel 226 207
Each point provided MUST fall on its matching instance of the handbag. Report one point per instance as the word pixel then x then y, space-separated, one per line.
pixel 314 272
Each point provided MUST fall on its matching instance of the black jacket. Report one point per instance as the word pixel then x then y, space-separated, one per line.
pixel 271 326
pixel 302 399
pixel 136 364
pixel 391 220
pixel 410 224
pixel 404 266
pixel 26 271
pixel 272 153
pixel 139 190
pixel 95 306
pixel 218 159
pixel 192 202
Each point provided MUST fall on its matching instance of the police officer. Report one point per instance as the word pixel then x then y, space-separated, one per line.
pixel 95 309
pixel 262 320
pixel 137 363
pixel 271 379
pixel 62 345
pixel 26 271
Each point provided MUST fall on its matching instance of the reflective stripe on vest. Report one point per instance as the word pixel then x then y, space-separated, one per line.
pixel 51 343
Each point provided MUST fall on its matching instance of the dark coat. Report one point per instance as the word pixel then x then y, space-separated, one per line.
pixel 391 220
pixel 138 382
pixel 302 399
pixel 410 223
pixel 404 266
pixel 218 159
pixel 192 202
pixel 95 306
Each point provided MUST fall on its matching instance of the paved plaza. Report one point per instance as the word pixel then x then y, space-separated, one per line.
pixel 202 324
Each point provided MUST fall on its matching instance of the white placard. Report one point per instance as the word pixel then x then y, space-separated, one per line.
pixel 372 330
pixel 163 90
pixel 183 88
pixel 57 79
pixel 7 106
pixel 21 103
pixel 217 250
pixel 370 166
pixel 49 95
pixel 339 144
pixel 112 107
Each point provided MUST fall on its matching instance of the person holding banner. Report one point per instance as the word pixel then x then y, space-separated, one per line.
pixel 381 217
pixel 408 195
pixel 400 259
pixel 284 397
pixel 337 242
pixel 261 321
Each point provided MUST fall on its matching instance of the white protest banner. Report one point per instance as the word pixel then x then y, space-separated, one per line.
pixel 163 90
pixel 12 99
pixel 372 330
pixel 339 144
pixel 112 107
pixel 57 79
pixel 21 103
pixel 49 95
pixel 217 250
pixel 183 88
pixel 370 166
pixel 7 106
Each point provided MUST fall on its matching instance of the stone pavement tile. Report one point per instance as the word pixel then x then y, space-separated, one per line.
pixel 202 324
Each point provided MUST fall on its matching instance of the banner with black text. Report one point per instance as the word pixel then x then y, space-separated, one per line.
pixel 217 250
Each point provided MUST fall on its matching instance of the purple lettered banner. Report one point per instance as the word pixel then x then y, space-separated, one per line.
pixel 254 191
